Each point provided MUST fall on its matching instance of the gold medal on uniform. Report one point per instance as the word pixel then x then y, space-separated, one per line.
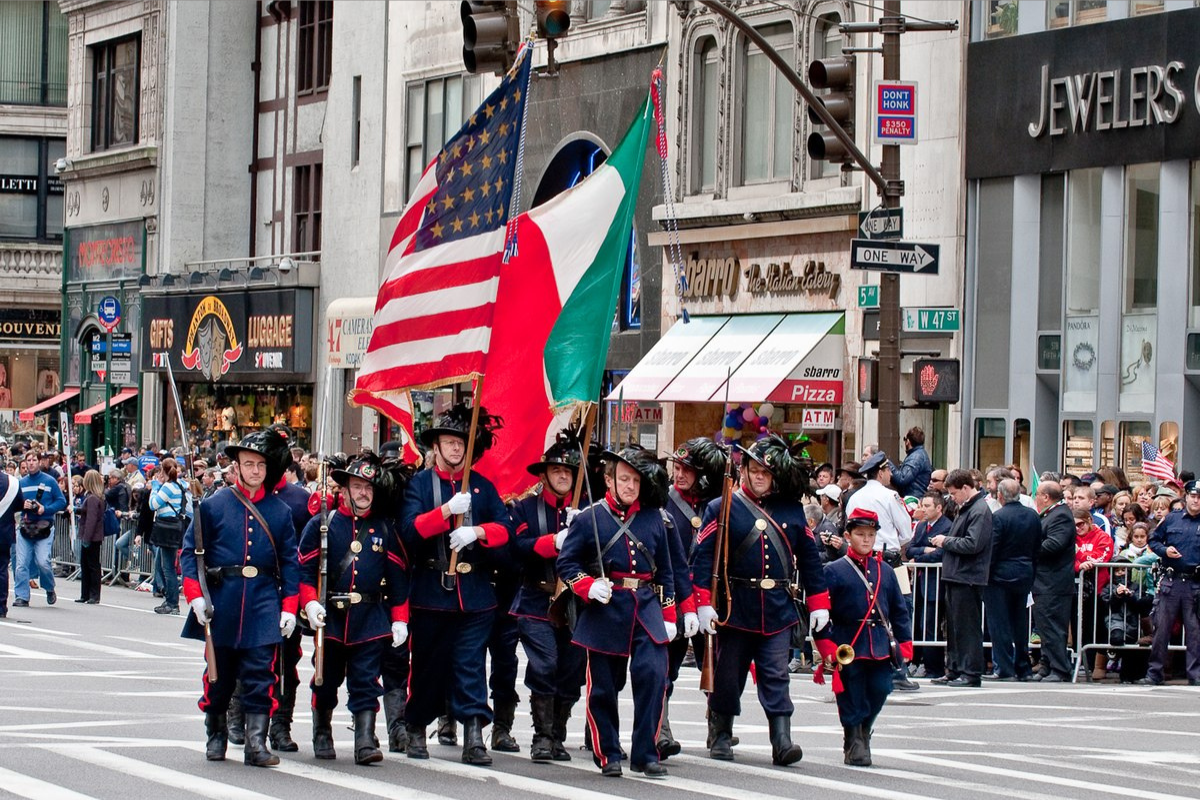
pixel 761 524
pixel 356 546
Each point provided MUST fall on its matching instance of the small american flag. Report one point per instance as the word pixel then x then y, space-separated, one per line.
pixel 1155 464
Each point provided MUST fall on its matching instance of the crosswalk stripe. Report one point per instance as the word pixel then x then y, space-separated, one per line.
pixel 791 776
pixel 538 786
pixel 156 774
pixel 96 647
pixel 21 652
pixel 35 789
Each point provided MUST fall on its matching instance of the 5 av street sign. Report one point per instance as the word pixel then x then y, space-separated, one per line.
pixel 894 256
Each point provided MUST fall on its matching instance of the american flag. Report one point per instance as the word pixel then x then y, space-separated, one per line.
pixel 433 315
pixel 1155 464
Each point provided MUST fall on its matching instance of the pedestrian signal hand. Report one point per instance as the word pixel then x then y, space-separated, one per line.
pixel 707 616
pixel 559 538
pixel 287 623
pixel 691 624
pixel 600 591
pixel 459 504
pixel 399 633
pixel 315 613
pixel 200 609
pixel 461 537
pixel 672 630
pixel 818 619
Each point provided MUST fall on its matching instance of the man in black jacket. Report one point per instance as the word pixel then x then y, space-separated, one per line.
pixel 1053 582
pixel 965 569
pixel 1016 531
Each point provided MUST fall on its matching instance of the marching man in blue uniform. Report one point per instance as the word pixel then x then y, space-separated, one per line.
pixel 872 629
pixel 452 600
pixel 617 558
pixel 249 591
pixel 768 542
pixel 365 608
pixel 554 672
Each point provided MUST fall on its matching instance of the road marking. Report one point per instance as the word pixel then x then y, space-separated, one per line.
pixel 52 726
pixel 10 651
pixel 95 647
pixel 144 770
pixel 191 647
pixel 521 783
pixel 35 789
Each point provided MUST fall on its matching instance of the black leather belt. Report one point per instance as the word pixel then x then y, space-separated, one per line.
pixel 343 601
pixel 247 571
pixel 763 584
pixel 1182 575
pixel 542 586
pixel 462 567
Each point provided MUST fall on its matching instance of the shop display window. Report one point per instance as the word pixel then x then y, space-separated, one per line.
pixel 1132 435
pixel 989 442
pixel 227 413
pixel 1079 443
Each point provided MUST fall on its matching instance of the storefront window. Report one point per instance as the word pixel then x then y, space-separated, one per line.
pixel 1139 322
pixel 1081 337
pixel 989 442
pixel 1021 453
pixel 1079 442
pixel 1132 436
pixel 227 413
pixel 1108 443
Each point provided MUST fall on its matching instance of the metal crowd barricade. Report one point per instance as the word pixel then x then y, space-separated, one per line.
pixel 140 562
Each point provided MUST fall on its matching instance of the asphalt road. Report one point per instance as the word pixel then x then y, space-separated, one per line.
pixel 100 701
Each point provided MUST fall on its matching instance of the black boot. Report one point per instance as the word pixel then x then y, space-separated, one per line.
pixel 473 750
pixel 720 732
pixel 542 708
pixel 257 754
pixel 235 718
pixel 865 730
pixel 218 736
pixel 280 732
pixel 666 744
pixel 855 748
pixel 394 703
pixel 447 730
pixel 562 716
pixel 366 746
pixel 416 747
pixel 502 740
pixel 323 734
pixel 783 752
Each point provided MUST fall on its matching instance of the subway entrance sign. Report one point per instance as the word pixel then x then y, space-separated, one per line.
pixel 914 257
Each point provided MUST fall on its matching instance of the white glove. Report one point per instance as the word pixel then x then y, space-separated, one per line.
pixel 459 504
pixel 461 537
pixel 200 609
pixel 572 513
pixel 672 630
pixel 399 633
pixel 691 624
pixel 287 623
pixel 559 538
pixel 315 613
pixel 600 590
pixel 707 616
pixel 818 619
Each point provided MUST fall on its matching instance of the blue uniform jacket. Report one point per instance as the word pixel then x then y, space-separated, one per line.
pixel 426 537
pixel 297 500
pixel 11 502
pixel 245 610
pixel 849 600
pixel 608 627
pixel 681 536
pixel 765 611
pixel 378 569
pixel 1181 531
pixel 534 547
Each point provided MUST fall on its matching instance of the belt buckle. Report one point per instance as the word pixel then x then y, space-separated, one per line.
pixel 339 603
pixel 766 583
pixel 630 583
pixel 249 571
pixel 355 598
pixel 463 568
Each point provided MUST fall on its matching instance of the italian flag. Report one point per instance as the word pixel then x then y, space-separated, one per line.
pixel 554 309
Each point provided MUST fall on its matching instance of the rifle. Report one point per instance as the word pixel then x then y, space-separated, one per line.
pixel 720 571
pixel 322 577
pixel 450 576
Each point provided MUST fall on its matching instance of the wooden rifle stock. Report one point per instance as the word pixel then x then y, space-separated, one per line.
pixel 719 575
pixel 210 654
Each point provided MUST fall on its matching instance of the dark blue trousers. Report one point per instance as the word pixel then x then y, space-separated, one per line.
pixel 394 668
pixel 735 650
pixel 358 666
pixel 1008 621
pixel 866 684
pixel 289 680
pixel 647 665
pixel 448 661
pixel 554 666
pixel 254 667
pixel 502 647
pixel 1176 601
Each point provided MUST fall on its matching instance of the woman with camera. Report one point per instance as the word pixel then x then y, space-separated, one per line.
pixel 171 502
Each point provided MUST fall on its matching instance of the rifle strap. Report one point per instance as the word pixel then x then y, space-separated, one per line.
pixel 201 572
pixel 773 531
pixel 624 529
pixel 348 559
pixel 258 517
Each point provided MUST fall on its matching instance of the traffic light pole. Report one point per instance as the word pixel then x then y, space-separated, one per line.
pixel 891 25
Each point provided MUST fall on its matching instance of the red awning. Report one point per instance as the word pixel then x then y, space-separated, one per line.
pixel 84 417
pixel 28 414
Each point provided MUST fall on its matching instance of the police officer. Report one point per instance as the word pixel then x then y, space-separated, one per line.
pixel 697 470
pixel 252 574
pixel 554 671
pixel 1176 541
pixel 768 542
pixel 452 609
pixel 870 615
pixel 624 624
pixel 365 606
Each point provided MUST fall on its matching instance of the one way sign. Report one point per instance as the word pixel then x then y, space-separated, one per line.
pixel 894 256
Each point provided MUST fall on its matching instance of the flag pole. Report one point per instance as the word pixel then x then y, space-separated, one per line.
pixel 451 577
pixel 589 422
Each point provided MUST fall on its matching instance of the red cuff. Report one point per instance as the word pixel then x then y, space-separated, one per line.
pixel 496 535
pixel 431 523
pixel 817 601
pixel 688 606
pixel 307 594
pixel 544 546
pixel 827 649
pixel 703 597
pixel 906 650
pixel 669 614
pixel 582 586
pixel 400 613
pixel 191 589
pixel 291 604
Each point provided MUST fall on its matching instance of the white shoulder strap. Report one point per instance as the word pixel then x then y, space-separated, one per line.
pixel 10 496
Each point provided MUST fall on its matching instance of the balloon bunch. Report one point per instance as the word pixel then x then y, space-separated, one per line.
pixel 744 420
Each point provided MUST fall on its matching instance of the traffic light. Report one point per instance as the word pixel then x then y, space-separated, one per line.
pixel 936 380
pixel 837 75
pixel 868 381
pixel 490 35
pixel 553 18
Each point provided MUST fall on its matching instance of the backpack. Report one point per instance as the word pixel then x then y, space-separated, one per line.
pixel 112 525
